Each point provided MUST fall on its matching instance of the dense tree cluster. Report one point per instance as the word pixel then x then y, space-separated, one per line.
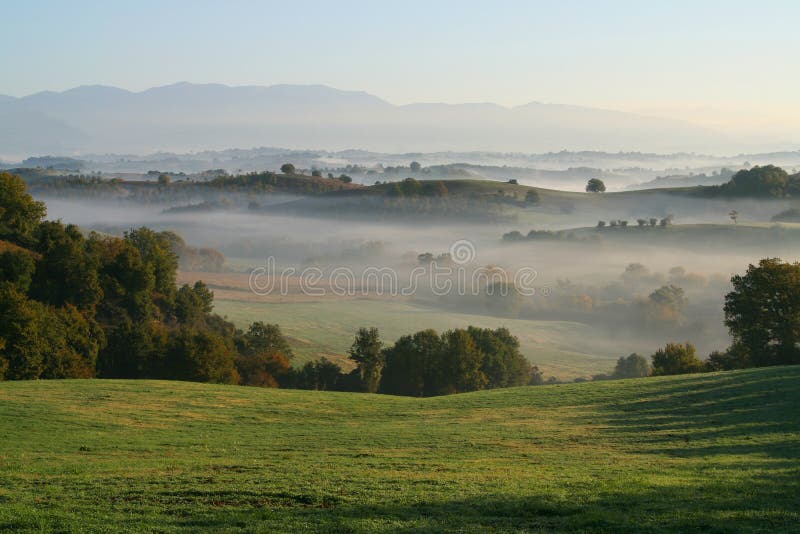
pixel 77 306
pixel 456 361
pixel 760 181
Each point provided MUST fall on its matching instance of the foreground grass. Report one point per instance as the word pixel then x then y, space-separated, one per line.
pixel 715 452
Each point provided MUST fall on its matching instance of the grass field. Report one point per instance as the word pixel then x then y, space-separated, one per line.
pixel 714 453
pixel 327 328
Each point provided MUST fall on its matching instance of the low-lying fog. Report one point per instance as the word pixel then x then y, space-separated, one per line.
pixel 609 283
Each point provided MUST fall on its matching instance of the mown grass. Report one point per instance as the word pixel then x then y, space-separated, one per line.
pixel 714 452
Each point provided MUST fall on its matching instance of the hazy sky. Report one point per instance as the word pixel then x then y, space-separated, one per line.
pixel 718 62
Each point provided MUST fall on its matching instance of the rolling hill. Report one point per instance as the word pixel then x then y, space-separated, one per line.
pixel 713 452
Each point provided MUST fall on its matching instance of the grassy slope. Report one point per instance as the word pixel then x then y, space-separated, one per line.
pixel 716 452
pixel 326 328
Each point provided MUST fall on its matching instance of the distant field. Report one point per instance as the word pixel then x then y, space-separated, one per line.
pixel 326 328
pixel 713 453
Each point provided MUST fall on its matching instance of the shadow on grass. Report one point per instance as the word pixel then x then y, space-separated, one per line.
pixel 709 507
pixel 736 413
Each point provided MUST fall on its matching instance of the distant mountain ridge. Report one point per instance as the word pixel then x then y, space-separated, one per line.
pixel 185 116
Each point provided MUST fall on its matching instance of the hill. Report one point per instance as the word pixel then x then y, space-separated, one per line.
pixel 186 116
pixel 713 452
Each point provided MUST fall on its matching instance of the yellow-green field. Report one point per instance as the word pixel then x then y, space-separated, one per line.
pixel 713 453
pixel 326 328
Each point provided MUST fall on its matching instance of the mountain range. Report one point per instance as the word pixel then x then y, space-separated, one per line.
pixel 185 117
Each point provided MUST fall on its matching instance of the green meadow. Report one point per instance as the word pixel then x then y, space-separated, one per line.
pixel 716 452
pixel 326 328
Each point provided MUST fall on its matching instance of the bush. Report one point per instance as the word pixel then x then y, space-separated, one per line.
pixel 676 359
pixel 634 366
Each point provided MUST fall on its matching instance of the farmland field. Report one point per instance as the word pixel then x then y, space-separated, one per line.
pixel 713 452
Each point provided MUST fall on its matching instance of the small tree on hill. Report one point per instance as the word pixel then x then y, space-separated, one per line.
pixel 634 366
pixel 288 168
pixel 595 185
pixel 676 359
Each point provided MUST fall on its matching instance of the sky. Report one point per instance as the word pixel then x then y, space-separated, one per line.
pixel 726 64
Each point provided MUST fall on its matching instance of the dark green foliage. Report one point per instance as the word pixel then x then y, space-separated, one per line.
pixel 19 213
pixel 426 363
pixel 200 356
pixel 321 375
pixel 595 185
pixel 676 359
pixel 287 168
pixel 766 181
pixel 634 366
pixel 368 357
pixel 734 358
pixel 66 272
pixel 72 307
pixel 263 337
pixel 193 303
pixel 157 254
pixel 40 341
pixel 16 268
pixel 412 365
pixel 763 312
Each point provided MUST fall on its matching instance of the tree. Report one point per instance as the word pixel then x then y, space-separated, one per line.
pixel 502 364
pixel 287 168
pixel 200 356
pixel 263 369
pixel 461 363
pixel 676 359
pixel 264 337
pixel 157 253
pixel 368 357
pixel 634 366
pixel 163 179
pixel 316 173
pixel 665 304
pixel 413 365
pixel 193 303
pixel 595 185
pixel 536 377
pixel 601 224
pixel 766 181
pixel 762 312
pixel 19 213
pixel 415 167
